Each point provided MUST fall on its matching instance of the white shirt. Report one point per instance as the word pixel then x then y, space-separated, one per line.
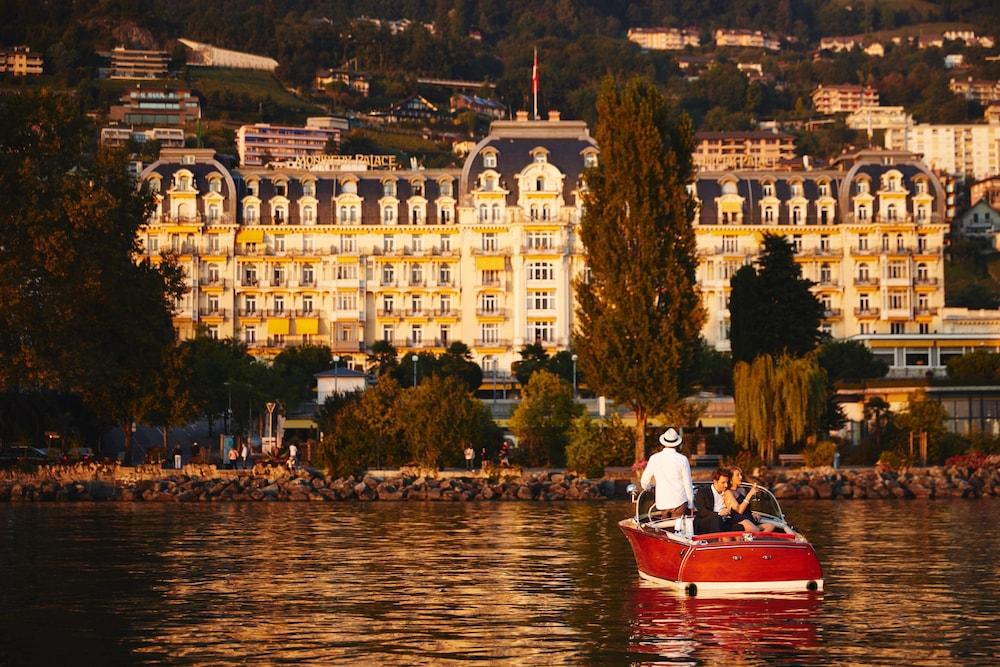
pixel 719 502
pixel 293 451
pixel 672 474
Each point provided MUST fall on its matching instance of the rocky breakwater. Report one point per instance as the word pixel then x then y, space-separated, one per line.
pixel 263 484
pixel 932 483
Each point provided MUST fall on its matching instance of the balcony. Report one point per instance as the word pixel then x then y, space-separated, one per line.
pixel 418 312
pixel 490 283
pixel 252 250
pixel 283 312
pixel 833 314
pixel 417 283
pixel 827 283
pixel 446 312
pixel 390 252
pixel 925 311
pixel 250 312
pixel 208 249
pixel 491 252
pixel 445 283
pixel 277 282
pixel 551 249
pixel 388 282
pixel 824 252
pixel 249 281
pixel 491 342
pixel 214 282
pixel 389 312
pixel 444 252
pixel 928 251
pixel 347 345
pixel 924 281
pixel 864 252
pixel 865 282
pixel 307 282
pixel 491 312
pixel 213 312
pixel 866 313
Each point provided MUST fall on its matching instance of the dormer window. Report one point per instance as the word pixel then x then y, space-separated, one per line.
pixel 489 183
pixel 389 189
pixel 590 161
pixel 863 187
pixel 490 160
pixel 349 187
pixel 187 159
pixel 215 185
pixel 309 189
pixel 281 188
pixel 824 189
pixel 921 187
pixel 796 189
pixel 418 188
pixel 154 184
pixel 768 189
pixel 252 188
pixel 183 182
pixel 445 187
pixel 539 156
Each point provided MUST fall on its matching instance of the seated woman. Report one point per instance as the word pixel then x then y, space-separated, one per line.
pixel 739 505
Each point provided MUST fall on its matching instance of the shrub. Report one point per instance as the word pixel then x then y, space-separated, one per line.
pixel 586 452
pixel 891 460
pixel 819 453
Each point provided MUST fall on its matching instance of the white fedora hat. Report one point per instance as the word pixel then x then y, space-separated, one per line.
pixel 670 438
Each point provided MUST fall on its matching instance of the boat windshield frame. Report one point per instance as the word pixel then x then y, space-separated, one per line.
pixel 763 503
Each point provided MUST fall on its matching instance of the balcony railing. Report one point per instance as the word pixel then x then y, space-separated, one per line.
pixel 832 314
pixel 925 311
pixel 490 283
pixel 866 312
pixel 827 282
pixel 491 312
pixel 247 281
pixel 250 312
pixel 491 342
pixel 214 282
pixel 919 281
pixel 866 252
pixel 546 249
pixel 347 345
pixel 491 252
pixel 213 312
pixel 928 251
pixel 389 312
pixel 866 282
pixel 446 312
pixel 284 312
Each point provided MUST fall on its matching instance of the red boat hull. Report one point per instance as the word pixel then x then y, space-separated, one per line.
pixel 768 561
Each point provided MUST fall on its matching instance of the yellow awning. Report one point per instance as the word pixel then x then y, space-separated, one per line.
pixel 277 326
pixel 299 423
pixel 250 236
pixel 307 325
pixel 489 263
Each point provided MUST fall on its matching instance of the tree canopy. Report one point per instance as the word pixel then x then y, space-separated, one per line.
pixel 847 360
pixel 542 419
pixel 640 312
pixel 771 308
pixel 80 311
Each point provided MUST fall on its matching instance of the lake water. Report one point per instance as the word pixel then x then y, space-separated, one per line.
pixel 518 583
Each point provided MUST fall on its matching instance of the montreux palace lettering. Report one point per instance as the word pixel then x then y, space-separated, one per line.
pixel 338 162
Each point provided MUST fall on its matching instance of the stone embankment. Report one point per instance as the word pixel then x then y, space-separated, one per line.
pixel 864 484
pixel 205 483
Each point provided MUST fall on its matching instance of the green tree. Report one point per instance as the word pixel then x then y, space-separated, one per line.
pixel 772 310
pixel 542 418
pixel 849 360
pixel 533 358
pixel 442 418
pixel 923 415
pixel 981 367
pixel 382 359
pixel 879 415
pixel 778 401
pixel 217 369
pixel 640 313
pixel 168 401
pixel 382 423
pixel 72 287
pixel 586 452
pixel 294 371
pixel 457 362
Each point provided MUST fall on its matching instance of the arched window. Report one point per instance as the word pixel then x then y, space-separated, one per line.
pixel 534 212
pixel 388 215
pixel 280 214
pixel 546 212
pixel 496 212
pixel 483 213
pixel 353 217
pixel 308 215
pixel 251 214
pixel 863 272
pixel 824 273
pixel 899 242
pixel 797 215
pixel 769 214
pixel 539 184
pixel 921 271
pixel 343 214
pixel 890 211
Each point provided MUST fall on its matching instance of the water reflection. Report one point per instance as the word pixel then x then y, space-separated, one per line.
pixel 671 625
pixel 452 583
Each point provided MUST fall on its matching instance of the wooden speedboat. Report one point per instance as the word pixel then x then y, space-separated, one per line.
pixel 668 552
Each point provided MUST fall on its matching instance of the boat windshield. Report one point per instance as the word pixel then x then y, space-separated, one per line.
pixel 763 501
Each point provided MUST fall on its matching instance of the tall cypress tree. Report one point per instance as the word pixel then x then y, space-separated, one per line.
pixel 772 310
pixel 640 313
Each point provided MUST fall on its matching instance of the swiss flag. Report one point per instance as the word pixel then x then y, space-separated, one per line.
pixel 534 75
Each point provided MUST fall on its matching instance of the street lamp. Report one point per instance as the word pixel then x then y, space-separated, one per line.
pixel 574 358
pixel 270 409
pixel 494 385
pixel 414 370
pixel 336 360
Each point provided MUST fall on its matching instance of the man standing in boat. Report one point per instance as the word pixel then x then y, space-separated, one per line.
pixel 672 474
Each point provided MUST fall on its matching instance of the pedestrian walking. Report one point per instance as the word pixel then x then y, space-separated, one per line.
pixel 483 461
pixel 177 457
pixel 470 457
pixel 245 456
pixel 233 456
pixel 293 456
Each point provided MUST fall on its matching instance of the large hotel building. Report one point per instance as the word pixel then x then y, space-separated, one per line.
pixel 347 250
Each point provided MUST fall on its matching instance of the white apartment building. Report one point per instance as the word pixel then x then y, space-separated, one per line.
pixel 665 39
pixel 965 151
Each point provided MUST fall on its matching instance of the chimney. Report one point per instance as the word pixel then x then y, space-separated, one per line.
pixel 553 116
pixel 522 116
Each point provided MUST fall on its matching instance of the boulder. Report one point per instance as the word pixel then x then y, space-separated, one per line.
pixel 783 491
pixel 524 493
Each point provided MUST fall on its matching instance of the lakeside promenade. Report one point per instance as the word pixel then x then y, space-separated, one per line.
pixel 268 483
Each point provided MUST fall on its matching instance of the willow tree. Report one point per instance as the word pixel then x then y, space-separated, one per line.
pixel 639 311
pixel 778 401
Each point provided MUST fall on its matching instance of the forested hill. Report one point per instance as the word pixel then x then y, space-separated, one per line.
pixel 579 40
